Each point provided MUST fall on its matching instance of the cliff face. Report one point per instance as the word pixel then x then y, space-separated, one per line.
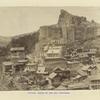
pixel 50 32
pixel 71 28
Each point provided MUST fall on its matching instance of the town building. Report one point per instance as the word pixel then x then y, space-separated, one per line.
pixel 57 42
pixel 54 52
pixel 17 53
pixel 7 67
pixel 41 70
pixel 54 79
pixel 19 67
pixel 30 67
pixel 83 55
pixel 17 61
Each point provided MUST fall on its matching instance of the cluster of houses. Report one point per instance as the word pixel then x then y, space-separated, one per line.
pixel 17 61
pixel 19 65
pixel 58 68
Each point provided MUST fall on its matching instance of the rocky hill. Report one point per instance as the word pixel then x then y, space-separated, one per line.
pixel 70 28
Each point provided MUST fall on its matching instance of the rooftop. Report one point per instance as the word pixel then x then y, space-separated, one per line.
pixel 82 73
pixel 17 49
pixel 52 75
pixel 62 68
pixel 77 77
pixel 86 67
pixel 30 69
pixel 55 49
pixel 22 61
pixel 31 64
pixel 7 63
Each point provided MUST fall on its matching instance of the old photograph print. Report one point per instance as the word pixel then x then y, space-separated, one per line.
pixel 49 48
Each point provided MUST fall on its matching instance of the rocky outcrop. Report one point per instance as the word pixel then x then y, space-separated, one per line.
pixel 71 28
pixel 50 32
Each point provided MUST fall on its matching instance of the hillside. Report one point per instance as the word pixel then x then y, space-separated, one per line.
pixel 93 42
pixel 70 28
pixel 73 30
pixel 4 41
pixel 27 40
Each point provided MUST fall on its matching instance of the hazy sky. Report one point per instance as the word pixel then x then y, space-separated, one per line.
pixel 19 20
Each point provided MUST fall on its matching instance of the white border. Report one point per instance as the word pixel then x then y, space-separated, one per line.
pixel 29 95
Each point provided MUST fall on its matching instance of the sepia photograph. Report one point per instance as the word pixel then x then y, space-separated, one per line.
pixel 49 48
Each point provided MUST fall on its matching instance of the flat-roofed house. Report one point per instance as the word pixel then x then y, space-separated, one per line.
pixel 17 53
pixel 19 67
pixel 92 51
pixel 54 52
pixel 7 67
pixel 17 61
pixel 41 70
pixel 83 55
pixel 52 75
pixel 58 42
pixel 11 67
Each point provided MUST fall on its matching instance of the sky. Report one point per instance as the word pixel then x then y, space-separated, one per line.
pixel 19 20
